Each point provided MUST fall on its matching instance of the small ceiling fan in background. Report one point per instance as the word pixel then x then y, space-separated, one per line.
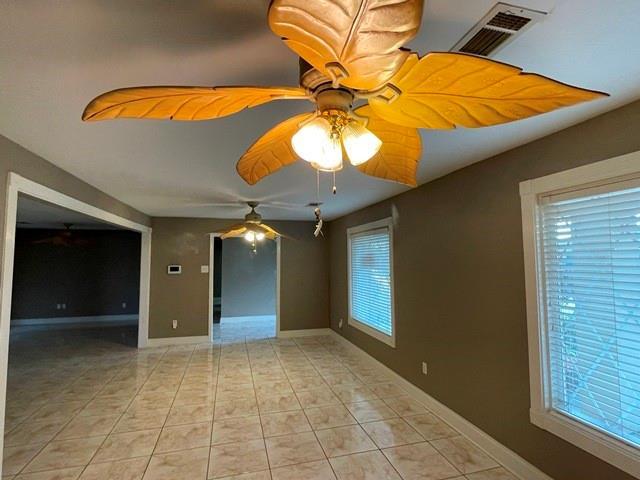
pixel 352 55
pixel 253 230
pixel 65 238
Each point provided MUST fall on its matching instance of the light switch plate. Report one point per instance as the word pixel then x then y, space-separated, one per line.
pixel 204 268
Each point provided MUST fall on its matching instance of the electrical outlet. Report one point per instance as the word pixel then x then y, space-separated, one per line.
pixel 64 306
pixel 174 324
pixel 58 306
pixel 424 368
pixel 340 324
pixel 124 304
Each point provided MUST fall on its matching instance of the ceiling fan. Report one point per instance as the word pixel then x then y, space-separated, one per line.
pixel 352 55
pixel 64 238
pixel 253 230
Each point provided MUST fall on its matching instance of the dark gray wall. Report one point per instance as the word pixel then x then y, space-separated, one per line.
pixel 248 279
pixel 459 286
pixel 304 272
pixel 94 275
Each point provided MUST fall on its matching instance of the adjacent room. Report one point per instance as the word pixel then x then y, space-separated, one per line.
pixel 244 289
pixel 320 240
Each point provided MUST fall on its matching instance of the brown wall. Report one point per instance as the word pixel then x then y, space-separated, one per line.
pixel 185 241
pixel 459 283
pixel 95 274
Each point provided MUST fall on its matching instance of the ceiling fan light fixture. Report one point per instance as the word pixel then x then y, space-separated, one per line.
pixel 359 143
pixel 312 139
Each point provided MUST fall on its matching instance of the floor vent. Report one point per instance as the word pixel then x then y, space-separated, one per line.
pixel 497 28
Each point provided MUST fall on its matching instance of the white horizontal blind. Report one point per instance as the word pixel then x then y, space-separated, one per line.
pixel 591 265
pixel 371 279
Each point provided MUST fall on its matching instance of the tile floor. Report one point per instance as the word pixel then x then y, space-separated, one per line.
pixel 88 407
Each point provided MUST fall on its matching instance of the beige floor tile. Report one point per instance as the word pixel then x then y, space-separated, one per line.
pixel 300 384
pixel 344 440
pixel 364 466
pixel 65 454
pixel 237 458
pixel 465 456
pixel 281 402
pixel 493 474
pixel 183 414
pixel 292 449
pixel 431 427
pixel 320 470
pixel 57 412
pixel 318 397
pixel 420 461
pixel 80 427
pixel 143 420
pixel 405 406
pixel 15 458
pixel 186 464
pixel 129 469
pixel 263 475
pixel 119 446
pixel 284 423
pixel 63 474
pixel 184 437
pixel 236 429
pixel 235 408
pixel 371 410
pixel 32 433
pixel 387 390
pixel 353 393
pixel 391 432
pixel 329 417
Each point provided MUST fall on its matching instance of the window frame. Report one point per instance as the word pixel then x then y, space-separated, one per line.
pixel 386 224
pixel 532 193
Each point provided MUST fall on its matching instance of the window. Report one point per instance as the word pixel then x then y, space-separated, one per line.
pixel 370 249
pixel 582 259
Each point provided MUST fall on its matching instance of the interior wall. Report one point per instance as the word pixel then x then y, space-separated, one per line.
pixel 248 279
pixel 304 300
pixel 95 275
pixel 459 287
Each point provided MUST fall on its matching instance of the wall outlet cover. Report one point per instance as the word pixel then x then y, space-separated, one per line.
pixel 174 324
pixel 204 268
pixel 424 368
pixel 340 324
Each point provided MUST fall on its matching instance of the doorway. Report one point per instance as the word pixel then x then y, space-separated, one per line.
pixel 244 289
pixel 19 187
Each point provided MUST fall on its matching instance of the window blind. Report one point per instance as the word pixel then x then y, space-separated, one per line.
pixel 591 271
pixel 371 279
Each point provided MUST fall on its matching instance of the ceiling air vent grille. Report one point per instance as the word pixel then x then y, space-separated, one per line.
pixel 497 28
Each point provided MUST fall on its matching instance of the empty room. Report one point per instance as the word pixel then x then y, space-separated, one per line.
pixel 320 240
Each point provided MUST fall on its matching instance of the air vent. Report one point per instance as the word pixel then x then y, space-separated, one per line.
pixel 497 28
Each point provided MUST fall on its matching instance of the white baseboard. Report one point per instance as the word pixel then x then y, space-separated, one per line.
pixel 309 332
pixel 83 320
pixel 170 341
pixel 506 457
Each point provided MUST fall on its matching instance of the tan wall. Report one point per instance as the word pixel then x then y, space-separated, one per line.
pixel 185 241
pixel 459 283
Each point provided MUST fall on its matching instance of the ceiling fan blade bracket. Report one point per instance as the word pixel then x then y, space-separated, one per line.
pixel 336 73
pixel 388 93
pixel 360 118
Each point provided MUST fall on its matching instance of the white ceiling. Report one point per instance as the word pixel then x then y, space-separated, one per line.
pixel 34 213
pixel 56 56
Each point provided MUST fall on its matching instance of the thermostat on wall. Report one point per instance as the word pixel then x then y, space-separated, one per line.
pixel 174 269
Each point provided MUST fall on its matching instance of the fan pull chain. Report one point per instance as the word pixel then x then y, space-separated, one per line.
pixel 318 186
pixel 334 190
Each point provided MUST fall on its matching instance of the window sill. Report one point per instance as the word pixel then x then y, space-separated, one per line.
pixel 387 339
pixel 597 443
